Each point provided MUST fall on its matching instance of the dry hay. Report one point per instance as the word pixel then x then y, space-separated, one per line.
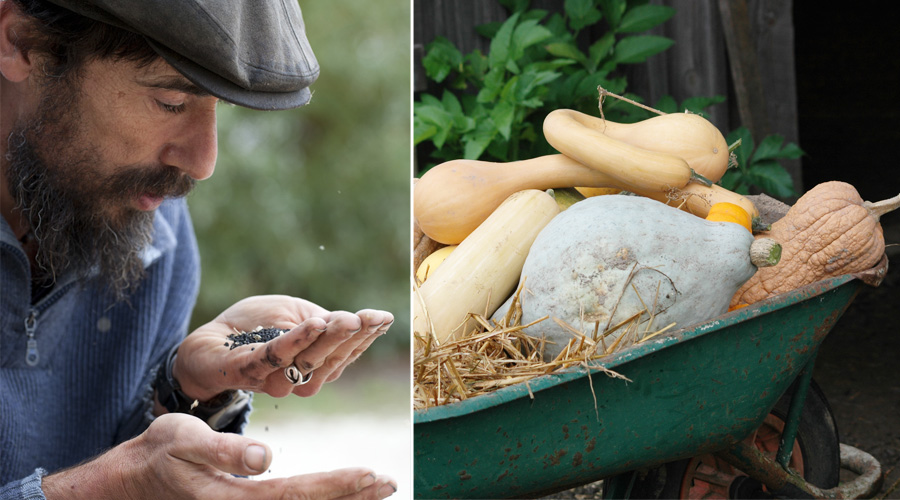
pixel 499 354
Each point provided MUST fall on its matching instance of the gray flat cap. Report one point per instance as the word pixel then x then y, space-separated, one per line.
pixel 252 53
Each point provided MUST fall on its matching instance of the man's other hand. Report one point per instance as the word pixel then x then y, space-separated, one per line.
pixel 179 456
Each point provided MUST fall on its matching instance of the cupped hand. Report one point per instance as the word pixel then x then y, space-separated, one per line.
pixel 179 456
pixel 320 343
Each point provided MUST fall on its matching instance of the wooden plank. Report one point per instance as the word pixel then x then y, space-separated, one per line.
pixel 773 34
pixel 744 68
pixel 694 66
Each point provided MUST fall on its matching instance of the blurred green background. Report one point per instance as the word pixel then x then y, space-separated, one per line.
pixel 314 202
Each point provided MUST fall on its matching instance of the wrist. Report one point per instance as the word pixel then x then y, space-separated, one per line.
pixel 218 410
pixel 96 479
pixel 187 385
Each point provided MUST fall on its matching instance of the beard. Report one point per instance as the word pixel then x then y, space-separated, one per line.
pixel 81 219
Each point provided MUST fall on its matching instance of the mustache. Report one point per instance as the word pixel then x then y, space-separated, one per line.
pixel 162 182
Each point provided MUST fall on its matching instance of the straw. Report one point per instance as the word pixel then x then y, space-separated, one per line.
pixel 495 354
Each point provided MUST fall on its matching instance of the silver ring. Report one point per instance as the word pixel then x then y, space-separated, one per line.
pixel 292 373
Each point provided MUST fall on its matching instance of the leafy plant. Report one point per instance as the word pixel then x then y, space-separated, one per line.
pixel 759 167
pixel 491 106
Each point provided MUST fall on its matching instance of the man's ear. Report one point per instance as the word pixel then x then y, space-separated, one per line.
pixel 15 65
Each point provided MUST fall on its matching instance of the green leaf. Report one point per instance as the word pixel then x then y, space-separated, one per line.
pixel 768 149
pixel 557 25
pixel 566 50
pixel 636 49
pixel 430 100
pixel 488 30
pixel 742 153
pixel 438 117
pixel 423 132
pixel 588 86
pixel 515 5
pixel 600 50
pixel 530 80
pixel 494 81
pixel 503 115
pixel 441 58
pixel 644 17
pixel 451 103
pixel 500 44
pixel 772 178
pixel 564 91
pixel 667 104
pixel 699 104
pixel 613 11
pixel 791 152
pixel 581 13
pixel 731 179
pixel 525 35
pixel 478 140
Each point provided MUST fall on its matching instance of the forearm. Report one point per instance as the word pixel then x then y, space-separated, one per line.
pixel 96 479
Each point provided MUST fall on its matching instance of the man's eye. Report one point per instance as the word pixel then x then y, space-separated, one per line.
pixel 170 108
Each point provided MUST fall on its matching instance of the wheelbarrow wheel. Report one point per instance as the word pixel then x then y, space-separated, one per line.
pixel 816 456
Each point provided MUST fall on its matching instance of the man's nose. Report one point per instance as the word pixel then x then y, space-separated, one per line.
pixel 194 145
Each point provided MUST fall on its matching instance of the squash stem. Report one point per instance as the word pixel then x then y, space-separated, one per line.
pixel 603 93
pixel 699 178
pixel 882 207
pixel 734 145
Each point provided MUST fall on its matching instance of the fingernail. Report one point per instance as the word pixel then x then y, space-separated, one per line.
pixel 255 457
pixel 387 490
pixel 374 328
pixel 365 482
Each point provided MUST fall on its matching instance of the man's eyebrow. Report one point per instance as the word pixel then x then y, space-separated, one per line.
pixel 176 83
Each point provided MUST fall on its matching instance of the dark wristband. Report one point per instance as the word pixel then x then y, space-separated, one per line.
pixel 218 412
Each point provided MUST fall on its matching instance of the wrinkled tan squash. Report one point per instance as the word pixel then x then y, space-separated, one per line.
pixel 830 231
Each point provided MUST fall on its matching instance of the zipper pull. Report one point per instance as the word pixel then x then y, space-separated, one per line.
pixel 31 351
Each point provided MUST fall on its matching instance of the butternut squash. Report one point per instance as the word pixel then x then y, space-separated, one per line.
pixel 453 198
pixel 482 271
pixel 657 154
pixel 423 246
pixel 830 231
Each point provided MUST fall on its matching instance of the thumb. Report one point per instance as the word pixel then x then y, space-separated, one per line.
pixel 195 442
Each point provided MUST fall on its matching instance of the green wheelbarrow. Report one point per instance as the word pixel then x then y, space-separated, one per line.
pixel 722 409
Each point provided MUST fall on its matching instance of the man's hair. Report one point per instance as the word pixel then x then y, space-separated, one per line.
pixel 69 40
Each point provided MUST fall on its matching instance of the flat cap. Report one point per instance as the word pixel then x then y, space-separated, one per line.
pixel 250 53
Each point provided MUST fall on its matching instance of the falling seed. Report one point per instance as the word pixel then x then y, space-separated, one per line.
pixel 321 247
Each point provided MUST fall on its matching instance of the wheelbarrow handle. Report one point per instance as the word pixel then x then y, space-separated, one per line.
pixel 785 483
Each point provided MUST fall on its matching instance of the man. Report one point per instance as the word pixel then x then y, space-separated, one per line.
pixel 107 111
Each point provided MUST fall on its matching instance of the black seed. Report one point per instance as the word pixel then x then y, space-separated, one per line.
pixel 255 337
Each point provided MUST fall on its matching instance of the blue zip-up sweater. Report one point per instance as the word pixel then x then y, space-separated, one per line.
pixel 76 367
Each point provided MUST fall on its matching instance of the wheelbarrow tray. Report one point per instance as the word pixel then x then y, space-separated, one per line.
pixel 694 391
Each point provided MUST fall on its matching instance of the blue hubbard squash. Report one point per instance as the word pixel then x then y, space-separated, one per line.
pixel 608 258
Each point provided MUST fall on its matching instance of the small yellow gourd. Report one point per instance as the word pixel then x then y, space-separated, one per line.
pixel 430 263
pixel 729 212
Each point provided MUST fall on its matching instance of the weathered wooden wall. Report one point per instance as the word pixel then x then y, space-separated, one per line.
pixel 741 49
